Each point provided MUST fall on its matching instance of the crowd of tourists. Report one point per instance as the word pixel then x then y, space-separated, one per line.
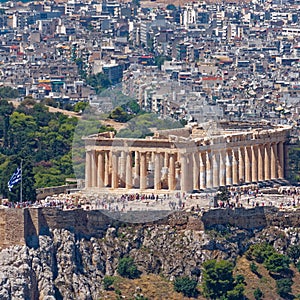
pixel 236 197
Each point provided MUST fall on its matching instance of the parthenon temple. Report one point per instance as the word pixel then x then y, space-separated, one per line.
pixel 187 159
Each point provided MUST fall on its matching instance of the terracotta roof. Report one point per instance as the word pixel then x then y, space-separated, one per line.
pixel 212 78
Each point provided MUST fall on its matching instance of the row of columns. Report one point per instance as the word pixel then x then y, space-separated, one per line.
pixel 184 171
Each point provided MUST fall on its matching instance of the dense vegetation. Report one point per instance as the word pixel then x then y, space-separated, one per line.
pixel 186 286
pixel 219 282
pixel 42 140
pixel 143 125
pixel 127 268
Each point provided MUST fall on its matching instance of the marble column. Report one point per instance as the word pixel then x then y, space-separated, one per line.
pixel 114 170
pixel 202 162
pixel 166 159
pixel 171 178
pixel 184 172
pixel 143 171
pixel 286 168
pixel 280 151
pixel 136 169
pixel 216 169
pixel 157 171
pixel 88 169
pixel 242 164
pixel 128 170
pixel 122 168
pixel 94 168
pixel 222 166
pixel 267 160
pixel 107 175
pixel 196 170
pixel 229 169
pixel 254 163
pixel 101 169
pixel 260 163
pixel 235 166
pixel 209 172
pixel 273 161
pixel 248 156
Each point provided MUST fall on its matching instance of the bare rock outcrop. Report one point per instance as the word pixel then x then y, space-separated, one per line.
pixel 67 266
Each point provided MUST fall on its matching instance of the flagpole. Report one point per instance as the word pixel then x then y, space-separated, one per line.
pixel 21 185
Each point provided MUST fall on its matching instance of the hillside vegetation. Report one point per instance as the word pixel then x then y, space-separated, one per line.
pixel 41 139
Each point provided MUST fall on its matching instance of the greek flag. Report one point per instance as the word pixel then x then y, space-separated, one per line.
pixel 15 178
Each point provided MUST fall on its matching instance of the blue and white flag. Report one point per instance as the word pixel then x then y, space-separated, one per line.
pixel 15 178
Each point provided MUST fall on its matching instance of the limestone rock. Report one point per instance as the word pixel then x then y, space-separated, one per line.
pixel 68 266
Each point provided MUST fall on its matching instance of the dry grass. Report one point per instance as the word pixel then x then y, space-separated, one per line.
pixel 265 282
pixel 296 279
pixel 155 287
pixel 151 286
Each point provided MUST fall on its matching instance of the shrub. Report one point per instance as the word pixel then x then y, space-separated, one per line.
pixel 293 252
pixel 260 252
pixel 217 278
pixel 277 263
pixel 298 265
pixel 258 294
pixel 127 268
pixel 239 278
pixel 237 293
pixel 108 281
pixel 253 267
pixel 186 286
pixel 284 287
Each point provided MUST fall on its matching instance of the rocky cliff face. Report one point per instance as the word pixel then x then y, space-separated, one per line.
pixel 65 266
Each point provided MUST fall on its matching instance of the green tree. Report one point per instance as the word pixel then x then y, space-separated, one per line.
pixel 8 92
pixel 22 132
pixel 119 115
pixel 258 294
pixel 127 268
pixel 80 106
pixel 28 181
pixel 186 286
pixel 38 136
pixel 254 267
pixel 259 252
pixel 277 263
pixel 237 293
pixel 131 107
pixel 240 279
pixel 6 109
pixel 108 281
pixel 217 278
pixel 100 81
pixel 298 266
pixel 50 102
pixel 284 287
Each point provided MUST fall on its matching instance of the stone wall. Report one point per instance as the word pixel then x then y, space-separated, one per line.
pixel 239 217
pixel 12 227
pixel 23 226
